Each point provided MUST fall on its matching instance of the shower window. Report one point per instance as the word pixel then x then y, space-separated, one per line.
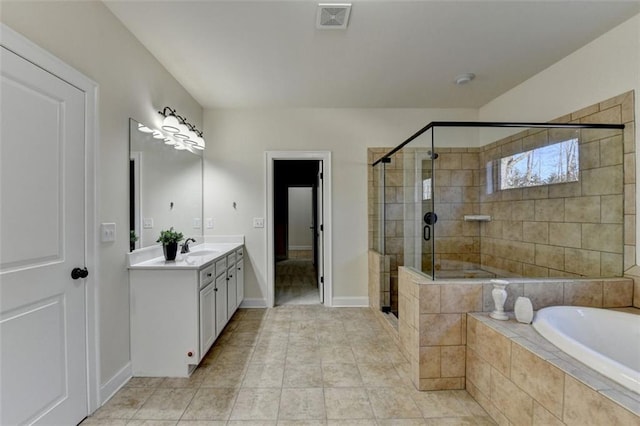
pixel 555 163
pixel 426 189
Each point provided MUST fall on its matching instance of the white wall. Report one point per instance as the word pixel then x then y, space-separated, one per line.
pixel 131 84
pixel 606 67
pixel 299 233
pixel 235 171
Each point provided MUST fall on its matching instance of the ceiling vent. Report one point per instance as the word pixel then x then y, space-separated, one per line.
pixel 333 16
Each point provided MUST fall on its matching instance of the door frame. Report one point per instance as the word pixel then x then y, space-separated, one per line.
pixel 325 157
pixel 33 53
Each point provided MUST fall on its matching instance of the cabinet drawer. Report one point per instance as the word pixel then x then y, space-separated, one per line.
pixel 231 259
pixel 207 275
pixel 221 266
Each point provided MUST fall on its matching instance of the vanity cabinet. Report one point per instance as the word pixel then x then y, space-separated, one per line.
pixel 232 301
pixel 239 276
pixel 177 314
pixel 208 332
pixel 221 302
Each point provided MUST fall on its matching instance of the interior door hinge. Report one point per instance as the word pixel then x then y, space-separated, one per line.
pixel 321 228
pixel 321 175
pixel 322 280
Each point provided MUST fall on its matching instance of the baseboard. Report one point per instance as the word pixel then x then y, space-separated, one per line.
pixel 300 248
pixel 344 302
pixel 115 383
pixel 253 303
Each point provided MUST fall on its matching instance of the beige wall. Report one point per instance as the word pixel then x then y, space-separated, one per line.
pixel 131 83
pixel 235 171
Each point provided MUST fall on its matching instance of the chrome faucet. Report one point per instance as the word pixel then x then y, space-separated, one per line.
pixel 185 246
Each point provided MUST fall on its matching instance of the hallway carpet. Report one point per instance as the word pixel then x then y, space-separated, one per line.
pixel 293 365
pixel 296 283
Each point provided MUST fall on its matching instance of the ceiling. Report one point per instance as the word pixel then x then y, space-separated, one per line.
pixel 395 54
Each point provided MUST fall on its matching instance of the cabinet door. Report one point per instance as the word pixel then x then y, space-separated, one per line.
pixel 232 302
pixel 207 318
pixel 221 303
pixel 239 282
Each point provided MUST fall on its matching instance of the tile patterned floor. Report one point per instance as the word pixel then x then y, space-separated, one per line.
pixel 293 365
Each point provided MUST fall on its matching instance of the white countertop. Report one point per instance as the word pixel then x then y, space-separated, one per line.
pixel 200 255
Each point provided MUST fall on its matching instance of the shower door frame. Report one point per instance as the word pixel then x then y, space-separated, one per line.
pixel 420 157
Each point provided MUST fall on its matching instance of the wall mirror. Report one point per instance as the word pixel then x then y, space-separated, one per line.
pixel 165 187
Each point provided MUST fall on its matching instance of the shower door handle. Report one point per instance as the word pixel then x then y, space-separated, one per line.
pixel 426 232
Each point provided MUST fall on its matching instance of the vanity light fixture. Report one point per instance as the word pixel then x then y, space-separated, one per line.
pixel 170 123
pixel 181 129
pixel 144 129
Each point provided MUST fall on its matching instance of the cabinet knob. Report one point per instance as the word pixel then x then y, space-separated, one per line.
pixel 215 289
pixel 230 275
pixel 209 274
pixel 189 354
pixel 239 269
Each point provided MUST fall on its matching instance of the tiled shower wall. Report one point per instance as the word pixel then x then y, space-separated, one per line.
pixel 562 230
pixel 456 194
pixel 571 229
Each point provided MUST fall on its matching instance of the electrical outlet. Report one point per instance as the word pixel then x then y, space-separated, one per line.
pixel 107 232
pixel 209 223
pixel 258 222
pixel 197 223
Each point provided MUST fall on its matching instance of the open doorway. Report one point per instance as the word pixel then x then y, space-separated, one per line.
pixel 323 245
pixel 297 215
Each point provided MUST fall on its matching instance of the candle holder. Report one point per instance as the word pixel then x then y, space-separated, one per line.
pixel 499 294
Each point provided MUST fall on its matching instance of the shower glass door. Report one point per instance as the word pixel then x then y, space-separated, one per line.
pixel 427 217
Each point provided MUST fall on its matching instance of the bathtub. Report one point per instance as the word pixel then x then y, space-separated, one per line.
pixel 607 341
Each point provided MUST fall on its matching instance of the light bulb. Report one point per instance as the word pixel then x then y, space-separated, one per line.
pixel 170 124
pixel 144 129
pixel 200 142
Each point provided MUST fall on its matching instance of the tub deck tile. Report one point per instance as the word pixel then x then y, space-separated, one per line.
pixel 629 400
pixel 535 348
pixel 526 336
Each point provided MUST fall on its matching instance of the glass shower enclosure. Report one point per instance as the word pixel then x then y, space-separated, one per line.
pixel 464 200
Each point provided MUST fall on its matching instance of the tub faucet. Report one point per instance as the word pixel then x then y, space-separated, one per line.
pixel 185 246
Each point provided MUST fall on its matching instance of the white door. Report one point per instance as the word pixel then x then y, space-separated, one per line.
pixel 43 370
pixel 320 232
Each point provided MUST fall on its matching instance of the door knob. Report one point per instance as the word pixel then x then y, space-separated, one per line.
pixel 79 273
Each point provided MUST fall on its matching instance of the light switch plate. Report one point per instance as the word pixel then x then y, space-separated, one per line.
pixel 107 232
pixel 258 222
pixel 147 223
pixel 197 223
pixel 209 223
